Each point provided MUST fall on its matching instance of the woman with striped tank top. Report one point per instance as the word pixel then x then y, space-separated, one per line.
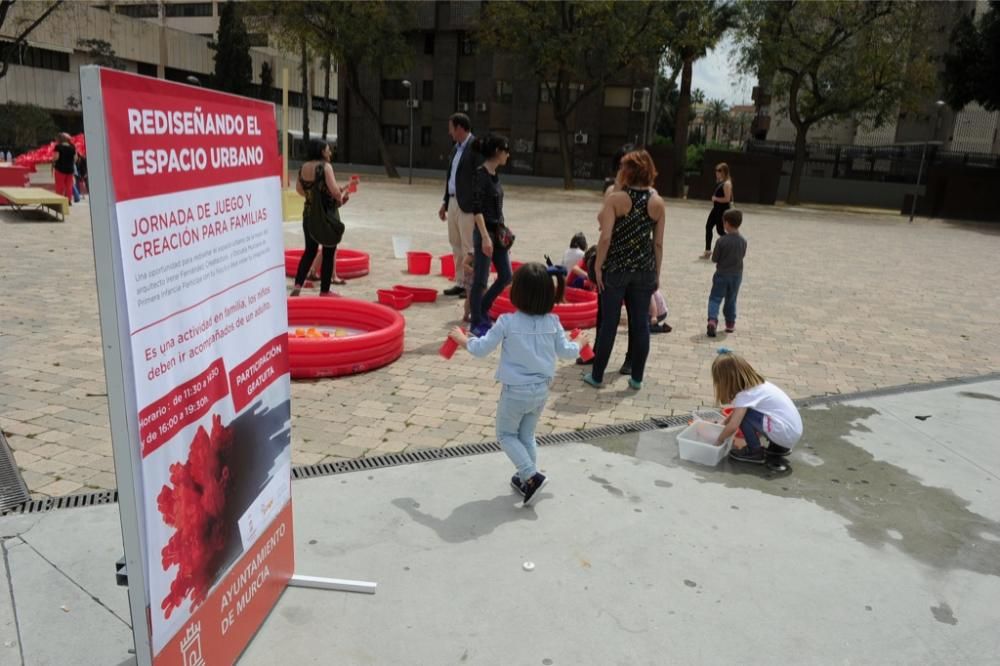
pixel 629 255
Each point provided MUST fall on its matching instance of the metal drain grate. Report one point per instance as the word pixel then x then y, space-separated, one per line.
pixel 64 502
pixel 13 491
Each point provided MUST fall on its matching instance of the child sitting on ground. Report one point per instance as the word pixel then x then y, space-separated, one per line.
pixel 759 408
pixel 572 261
pixel 532 338
pixel 658 312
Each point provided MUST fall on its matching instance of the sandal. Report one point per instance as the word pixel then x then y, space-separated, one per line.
pixel 338 281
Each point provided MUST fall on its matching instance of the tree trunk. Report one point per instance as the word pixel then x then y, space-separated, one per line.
pixel 305 93
pixel 353 83
pixel 567 158
pixel 681 129
pixel 326 93
pixel 800 162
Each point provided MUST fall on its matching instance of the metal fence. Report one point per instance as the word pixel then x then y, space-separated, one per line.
pixel 889 163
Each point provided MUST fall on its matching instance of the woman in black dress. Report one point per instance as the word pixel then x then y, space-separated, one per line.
pixel 721 200
pixel 316 178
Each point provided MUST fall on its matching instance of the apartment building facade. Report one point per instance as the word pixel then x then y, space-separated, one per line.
pixel 451 72
pixel 167 39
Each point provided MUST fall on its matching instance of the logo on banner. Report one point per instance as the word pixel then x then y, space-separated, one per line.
pixel 191 646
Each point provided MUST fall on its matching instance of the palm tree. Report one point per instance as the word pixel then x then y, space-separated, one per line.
pixel 715 114
pixel 701 24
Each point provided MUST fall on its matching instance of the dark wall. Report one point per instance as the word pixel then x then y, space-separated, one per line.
pixel 960 193
pixel 663 160
pixel 755 177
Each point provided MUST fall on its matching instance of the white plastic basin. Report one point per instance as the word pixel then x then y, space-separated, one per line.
pixel 696 443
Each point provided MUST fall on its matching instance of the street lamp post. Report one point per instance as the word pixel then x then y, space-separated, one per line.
pixel 409 103
pixel 923 156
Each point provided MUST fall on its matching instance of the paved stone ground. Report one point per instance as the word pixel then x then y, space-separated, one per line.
pixel 832 302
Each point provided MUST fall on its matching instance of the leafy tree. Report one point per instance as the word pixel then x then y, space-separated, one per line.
pixel 836 60
pixel 25 126
pixel 233 67
pixel 365 38
pixel 20 27
pixel 306 97
pixel 698 26
pixel 716 113
pixel 697 96
pixel 327 66
pixel 576 48
pixel 667 97
pixel 266 82
pixel 972 65
pixel 101 53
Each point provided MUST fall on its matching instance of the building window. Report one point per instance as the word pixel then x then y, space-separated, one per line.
pixel 505 92
pixel 428 43
pixel 618 97
pixel 394 89
pixel 145 10
pixel 396 135
pixel 548 142
pixel 574 90
pixel 467 47
pixel 32 56
pixel 425 136
pixel 427 87
pixel 188 9
pixel 466 92
pixel 145 69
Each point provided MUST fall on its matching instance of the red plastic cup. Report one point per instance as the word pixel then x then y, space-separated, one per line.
pixel 448 348
pixel 355 178
pixel 574 334
pixel 586 353
pixel 352 187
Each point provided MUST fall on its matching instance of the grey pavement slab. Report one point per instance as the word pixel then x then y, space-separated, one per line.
pixel 880 546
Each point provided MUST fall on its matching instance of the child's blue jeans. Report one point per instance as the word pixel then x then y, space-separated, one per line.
pixel 518 412
pixel 753 427
pixel 724 287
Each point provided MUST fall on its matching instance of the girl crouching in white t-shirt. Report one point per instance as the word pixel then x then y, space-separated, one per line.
pixel 759 409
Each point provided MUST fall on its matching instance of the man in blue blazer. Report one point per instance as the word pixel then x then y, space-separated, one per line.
pixel 456 209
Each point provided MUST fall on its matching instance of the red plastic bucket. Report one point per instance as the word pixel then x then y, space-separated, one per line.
pixel 418 263
pixel 447 265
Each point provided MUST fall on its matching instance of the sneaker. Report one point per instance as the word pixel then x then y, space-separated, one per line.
pixel 532 486
pixel 516 484
pixel 660 328
pixel 589 379
pixel 757 457
pixel 711 329
pixel 626 368
pixel 634 385
pixel 777 450
pixel 454 291
pixel 730 326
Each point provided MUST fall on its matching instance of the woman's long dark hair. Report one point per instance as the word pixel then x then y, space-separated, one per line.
pixel 490 145
pixel 315 149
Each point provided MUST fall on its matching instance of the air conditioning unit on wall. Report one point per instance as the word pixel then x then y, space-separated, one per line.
pixel 640 99
pixel 481 106
pixel 581 138
pixel 463 106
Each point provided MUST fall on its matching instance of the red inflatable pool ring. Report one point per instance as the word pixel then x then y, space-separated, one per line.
pixel 350 263
pixel 579 310
pixel 398 300
pixel 379 342
pixel 420 294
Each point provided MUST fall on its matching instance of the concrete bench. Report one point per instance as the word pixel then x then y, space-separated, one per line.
pixel 19 197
